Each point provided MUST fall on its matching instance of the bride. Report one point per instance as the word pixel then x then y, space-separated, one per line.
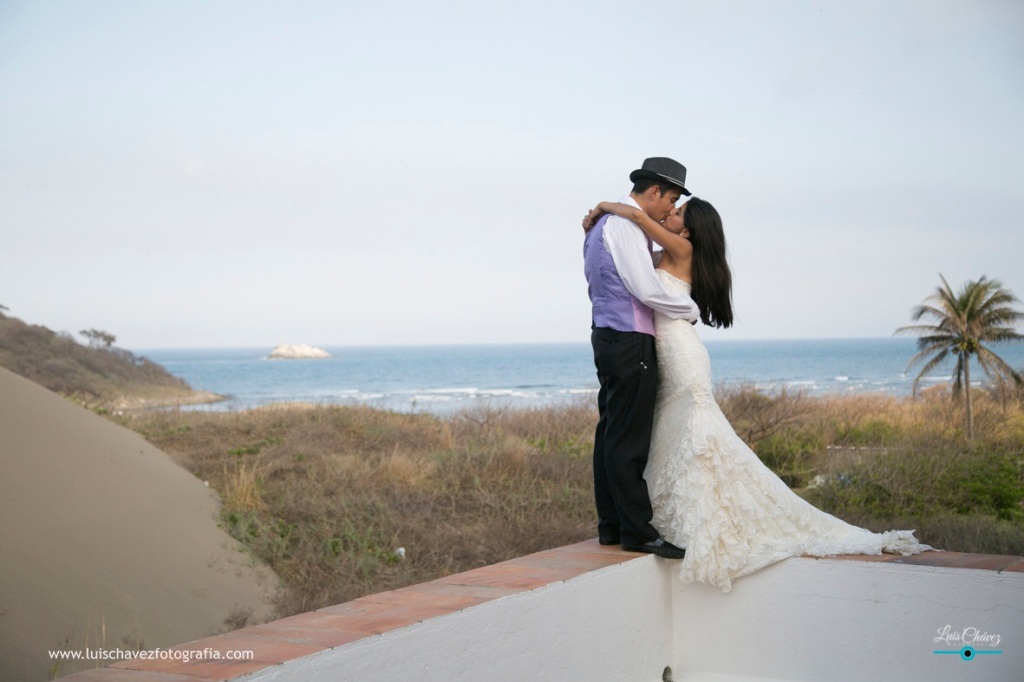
pixel 711 494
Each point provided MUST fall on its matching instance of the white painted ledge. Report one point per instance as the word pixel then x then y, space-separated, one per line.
pixel 801 619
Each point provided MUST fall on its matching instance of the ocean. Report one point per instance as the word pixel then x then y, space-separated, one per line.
pixel 443 379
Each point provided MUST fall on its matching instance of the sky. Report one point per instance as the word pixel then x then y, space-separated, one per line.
pixel 242 174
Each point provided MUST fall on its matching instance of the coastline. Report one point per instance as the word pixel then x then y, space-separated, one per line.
pixel 446 379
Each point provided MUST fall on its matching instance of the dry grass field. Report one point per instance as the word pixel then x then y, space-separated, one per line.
pixel 327 496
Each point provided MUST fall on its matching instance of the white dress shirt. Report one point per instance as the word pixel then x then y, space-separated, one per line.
pixel 627 244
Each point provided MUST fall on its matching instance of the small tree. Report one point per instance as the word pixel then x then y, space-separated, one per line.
pixel 980 313
pixel 99 338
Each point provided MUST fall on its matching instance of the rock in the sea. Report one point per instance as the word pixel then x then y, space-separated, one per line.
pixel 301 350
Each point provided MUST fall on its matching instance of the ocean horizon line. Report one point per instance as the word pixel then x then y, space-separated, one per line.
pixel 499 344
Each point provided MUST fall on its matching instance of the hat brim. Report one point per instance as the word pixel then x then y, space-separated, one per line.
pixel 640 173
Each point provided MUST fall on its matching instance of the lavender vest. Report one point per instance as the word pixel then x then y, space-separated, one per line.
pixel 613 306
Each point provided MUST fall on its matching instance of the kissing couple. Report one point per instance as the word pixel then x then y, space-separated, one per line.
pixel 671 477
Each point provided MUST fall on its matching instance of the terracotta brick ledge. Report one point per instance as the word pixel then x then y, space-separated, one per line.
pixel 371 616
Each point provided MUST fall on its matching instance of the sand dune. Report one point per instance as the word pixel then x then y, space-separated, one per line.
pixel 104 541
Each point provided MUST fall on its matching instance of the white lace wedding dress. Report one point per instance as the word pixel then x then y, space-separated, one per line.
pixel 712 495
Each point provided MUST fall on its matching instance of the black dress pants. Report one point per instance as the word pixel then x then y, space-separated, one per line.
pixel 627 370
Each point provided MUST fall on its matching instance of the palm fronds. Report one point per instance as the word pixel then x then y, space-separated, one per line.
pixel 965 324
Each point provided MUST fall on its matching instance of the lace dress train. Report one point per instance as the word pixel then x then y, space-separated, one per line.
pixel 711 493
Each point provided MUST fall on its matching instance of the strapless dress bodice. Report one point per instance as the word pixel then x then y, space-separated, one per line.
pixel 672 283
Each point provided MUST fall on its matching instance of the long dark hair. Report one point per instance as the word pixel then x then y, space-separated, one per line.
pixel 712 279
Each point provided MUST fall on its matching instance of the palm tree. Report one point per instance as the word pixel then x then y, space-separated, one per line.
pixel 980 313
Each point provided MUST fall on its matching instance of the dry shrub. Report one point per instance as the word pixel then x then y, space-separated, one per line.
pixel 843 415
pixel 402 470
pixel 242 489
pixel 979 533
pixel 1006 393
pixel 756 415
pixel 568 429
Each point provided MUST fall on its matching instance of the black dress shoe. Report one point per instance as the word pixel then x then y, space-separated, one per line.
pixel 660 547
pixel 608 539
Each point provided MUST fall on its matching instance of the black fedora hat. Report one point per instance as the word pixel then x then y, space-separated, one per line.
pixel 662 169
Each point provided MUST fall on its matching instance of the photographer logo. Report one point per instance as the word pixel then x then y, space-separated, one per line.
pixel 970 642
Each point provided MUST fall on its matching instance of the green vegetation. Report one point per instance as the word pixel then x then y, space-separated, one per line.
pixel 327 495
pixel 963 323
pixel 100 375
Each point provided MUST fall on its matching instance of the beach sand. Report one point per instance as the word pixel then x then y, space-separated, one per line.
pixel 105 542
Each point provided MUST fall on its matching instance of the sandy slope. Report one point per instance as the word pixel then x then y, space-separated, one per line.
pixel 104 540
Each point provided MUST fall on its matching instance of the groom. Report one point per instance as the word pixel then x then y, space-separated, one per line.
pixel 624 292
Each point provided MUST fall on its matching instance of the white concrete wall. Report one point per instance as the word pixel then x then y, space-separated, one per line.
pixel 611 624
pixel 802 619
pixel 806 619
